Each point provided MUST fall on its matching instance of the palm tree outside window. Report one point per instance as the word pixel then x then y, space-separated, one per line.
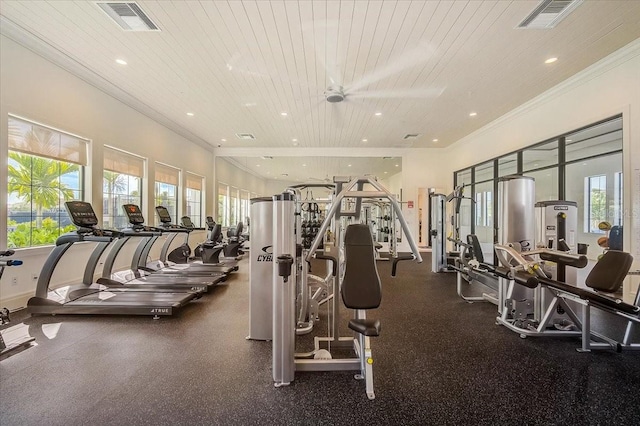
pixel 45 169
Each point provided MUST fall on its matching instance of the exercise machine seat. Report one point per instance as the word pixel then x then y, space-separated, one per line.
pixel 609 272
pixel 368 327
pixel 361 288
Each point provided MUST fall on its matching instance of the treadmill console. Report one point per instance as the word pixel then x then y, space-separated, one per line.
pixel 133 214
pixel 81 214
pixel 163 214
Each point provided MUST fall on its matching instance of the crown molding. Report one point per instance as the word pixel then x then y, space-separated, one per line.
pixel 42 48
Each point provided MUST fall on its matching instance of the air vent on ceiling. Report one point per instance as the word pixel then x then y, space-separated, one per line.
pixel 128 15
pixel 245 136
pixel 411 136
pixel 549 13
pixel 267 157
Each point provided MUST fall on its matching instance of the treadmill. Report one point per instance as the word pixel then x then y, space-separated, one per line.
pixel 137 278
pixel 96 299
pixel 162 265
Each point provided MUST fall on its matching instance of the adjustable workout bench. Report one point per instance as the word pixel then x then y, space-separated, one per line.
pixel 605 277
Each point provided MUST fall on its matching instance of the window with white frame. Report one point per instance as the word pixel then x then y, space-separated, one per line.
pixel 244 206
pixel 121 184
pixel 484 208
pixel 193 197
pixel 596 197
pixel 223 204
pixel 618 194
pixel 167 179
pixel 45 169
pixel 233 206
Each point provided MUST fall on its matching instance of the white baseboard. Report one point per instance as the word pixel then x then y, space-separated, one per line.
pixel 17 302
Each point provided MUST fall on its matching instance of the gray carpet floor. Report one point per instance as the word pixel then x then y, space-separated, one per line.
pixel 438 361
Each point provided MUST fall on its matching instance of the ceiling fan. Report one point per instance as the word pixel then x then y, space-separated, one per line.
pixel 338 92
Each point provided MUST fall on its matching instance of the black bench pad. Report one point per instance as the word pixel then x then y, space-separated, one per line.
pixel 368 327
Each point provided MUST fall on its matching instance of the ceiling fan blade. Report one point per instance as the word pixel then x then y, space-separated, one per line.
pixel 401 94
pixel 410 58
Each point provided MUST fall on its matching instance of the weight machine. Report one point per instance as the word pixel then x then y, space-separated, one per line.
pixel 359 293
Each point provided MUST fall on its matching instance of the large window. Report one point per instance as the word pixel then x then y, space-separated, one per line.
pixel 223 204
pixel 45 169
pixel 596 209
pixel 233 206
pixel 167 180
pixel 193 196
pixel 244 206
pixel 584 166
pixel 121 184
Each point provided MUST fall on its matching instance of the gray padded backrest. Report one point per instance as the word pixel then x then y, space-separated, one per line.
pixel 361 284
pixel 475 245
pixel 215 233
pixel 610 271
pixel 239 228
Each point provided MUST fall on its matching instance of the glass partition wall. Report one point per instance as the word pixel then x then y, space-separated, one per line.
pixel 584 166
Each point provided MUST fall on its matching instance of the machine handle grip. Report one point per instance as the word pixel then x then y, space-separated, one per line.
pixel 399 259
pixel 333 260
pixel 7 253
pixel 11 262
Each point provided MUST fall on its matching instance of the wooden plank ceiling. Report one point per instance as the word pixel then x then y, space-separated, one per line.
pixel 238 65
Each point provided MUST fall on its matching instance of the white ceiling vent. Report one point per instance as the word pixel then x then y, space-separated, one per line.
pixel 128 15
pixel 549 13
pixel 411 136
pixel 245 136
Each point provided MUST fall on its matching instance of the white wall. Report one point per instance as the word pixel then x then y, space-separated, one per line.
pixel 227 172
pixel 421 168
pixel 36 89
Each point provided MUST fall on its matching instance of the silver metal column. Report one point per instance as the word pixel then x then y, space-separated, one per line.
pixel 284 293
pixel 438 241
pixel 516 201
pixel 260 269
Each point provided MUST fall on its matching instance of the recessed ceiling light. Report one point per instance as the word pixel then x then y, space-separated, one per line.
pixel 535 164
pixel 348 165
pixel 550 60
pixel 284 114
pixel 385 173
pixel 304 165
pixel 584 164
pixel 257 165
pixel 294 140
pixel 190 114
pixel 435 140
pixel 378 114
pixel 121 61
pixel 223 140
pixel 396 165
pixel 473 114
pixel 365 140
